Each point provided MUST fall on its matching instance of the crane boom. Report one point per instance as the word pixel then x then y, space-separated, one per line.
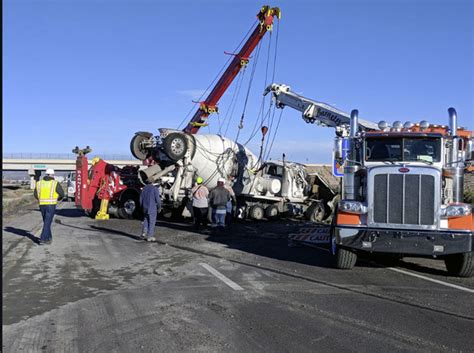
pixel 209 105
pixel 313 111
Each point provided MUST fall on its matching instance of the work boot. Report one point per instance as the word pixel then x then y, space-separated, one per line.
pixel 151 239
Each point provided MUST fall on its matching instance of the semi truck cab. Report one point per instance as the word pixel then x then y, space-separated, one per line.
pixel 403 194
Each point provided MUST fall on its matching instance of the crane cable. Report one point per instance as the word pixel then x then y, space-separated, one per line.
pixel 234 100
pixel 262 105
pixel 217 76
pixel 274 134
pixel 267 153
pixel 252 75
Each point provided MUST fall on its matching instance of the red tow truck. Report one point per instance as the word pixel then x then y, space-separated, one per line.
pixel 105 188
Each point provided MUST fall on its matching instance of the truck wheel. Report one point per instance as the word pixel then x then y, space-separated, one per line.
pixel 167 214
pixel 271 212
pixel 345 259
pixel 460 265
pixel 135 147
pixel 315 212
pixel 256 212
pixel 129 207
pixel 175 145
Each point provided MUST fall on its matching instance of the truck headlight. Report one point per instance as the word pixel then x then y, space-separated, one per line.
pixel 352 207
pixel 456 210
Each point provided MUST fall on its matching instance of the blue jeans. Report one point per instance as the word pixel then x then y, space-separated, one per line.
pixel 228 207
pixel 149 221
pixel 47 212
pixel 219 218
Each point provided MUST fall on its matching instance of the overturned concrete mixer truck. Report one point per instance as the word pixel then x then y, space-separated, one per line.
pixel 263 189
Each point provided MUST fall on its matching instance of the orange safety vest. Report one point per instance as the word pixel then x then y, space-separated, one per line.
pixel 46 190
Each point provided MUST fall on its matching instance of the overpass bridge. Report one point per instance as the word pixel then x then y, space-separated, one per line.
pixel 66 165
pixel 35 164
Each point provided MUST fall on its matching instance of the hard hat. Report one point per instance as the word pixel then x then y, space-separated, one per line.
pixel 199 180
pixel 50 171
pixel 221 180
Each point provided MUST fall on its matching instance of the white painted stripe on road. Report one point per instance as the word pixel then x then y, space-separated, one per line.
pixel 223 278
pixel 469 290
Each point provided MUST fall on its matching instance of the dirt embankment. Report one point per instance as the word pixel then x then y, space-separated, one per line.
pixel 15 199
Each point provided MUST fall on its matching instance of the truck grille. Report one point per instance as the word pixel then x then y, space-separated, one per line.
pixel 404 199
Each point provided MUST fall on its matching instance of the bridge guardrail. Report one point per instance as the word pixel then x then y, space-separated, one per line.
pixel 66 156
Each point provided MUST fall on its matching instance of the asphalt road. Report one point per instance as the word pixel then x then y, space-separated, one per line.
pixel 98 288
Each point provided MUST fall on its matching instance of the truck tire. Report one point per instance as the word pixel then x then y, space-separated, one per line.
pixel 271 212
pixel 175 145
pixel 460 265
pixel 345 259
pixel 129 206
pixel 256 212
pixel 135 147
pixel 315 212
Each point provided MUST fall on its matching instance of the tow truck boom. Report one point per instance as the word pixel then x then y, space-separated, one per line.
pixel 209 105
pixel 315 112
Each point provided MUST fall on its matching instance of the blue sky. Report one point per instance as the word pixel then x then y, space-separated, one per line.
pixel 93 72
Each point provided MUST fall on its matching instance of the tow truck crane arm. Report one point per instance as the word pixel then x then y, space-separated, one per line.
pixel 315 112
pixel 209 105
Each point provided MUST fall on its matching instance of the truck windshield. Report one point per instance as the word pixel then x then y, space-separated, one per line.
pixel 426 149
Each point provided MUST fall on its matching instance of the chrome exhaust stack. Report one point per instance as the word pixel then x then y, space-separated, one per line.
pixel 453 130
pixel 354 123
pixel 455 166
pixel 453 122
pixel 351 183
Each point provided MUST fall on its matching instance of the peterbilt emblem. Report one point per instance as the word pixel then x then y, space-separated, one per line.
pixel 403 170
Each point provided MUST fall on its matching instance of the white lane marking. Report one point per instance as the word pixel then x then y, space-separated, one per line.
pixel 469 290
pixel 223 278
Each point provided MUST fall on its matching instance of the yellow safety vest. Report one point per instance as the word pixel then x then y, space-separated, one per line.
pixel 46 190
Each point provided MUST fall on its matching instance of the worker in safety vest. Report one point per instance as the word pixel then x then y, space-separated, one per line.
pixel 47 192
